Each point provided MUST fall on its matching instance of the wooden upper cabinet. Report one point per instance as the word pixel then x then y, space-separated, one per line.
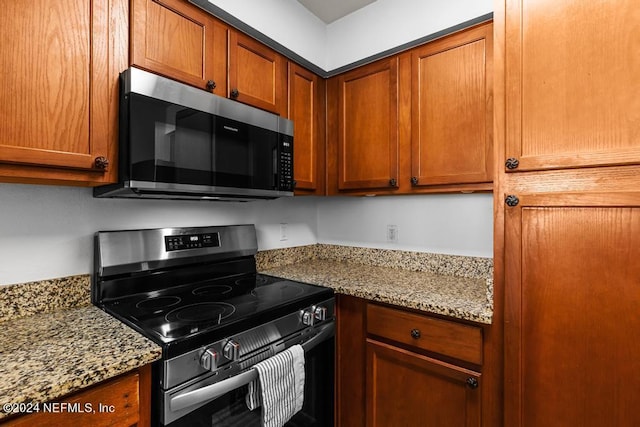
pixel 572 309
pixel 59 107
pixel 180 41
pixel 572 83
pixel 257 74
pixel 368 131
pixel 306 109
pixel 452 119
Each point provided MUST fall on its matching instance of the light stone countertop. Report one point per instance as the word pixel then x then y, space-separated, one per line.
pixel 45 356
pixel 458 297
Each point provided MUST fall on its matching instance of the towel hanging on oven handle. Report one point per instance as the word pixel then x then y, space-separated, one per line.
pixel 213 391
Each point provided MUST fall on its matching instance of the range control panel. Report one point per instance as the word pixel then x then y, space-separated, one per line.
pixel 191 241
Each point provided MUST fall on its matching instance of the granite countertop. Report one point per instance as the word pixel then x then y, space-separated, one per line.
pixel 454 296
pixel 48 355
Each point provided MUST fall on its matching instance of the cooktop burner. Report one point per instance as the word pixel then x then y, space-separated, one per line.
pixel 154 303
pixel 201 312
pixel 182 311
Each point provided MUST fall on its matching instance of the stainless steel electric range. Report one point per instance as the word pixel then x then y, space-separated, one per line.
pixel 196 293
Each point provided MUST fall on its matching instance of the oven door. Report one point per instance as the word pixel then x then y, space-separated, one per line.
pixel 230 409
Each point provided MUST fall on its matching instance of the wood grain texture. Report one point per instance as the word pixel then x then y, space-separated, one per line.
pixel 452 109
pixel 573 298
pixel 571 83
pixel 305 101
pixel 258 73
pixel 59 112
pixel 368 126
pixel 409 389
pixel 448 338
pixel 122 393
pixel 178 40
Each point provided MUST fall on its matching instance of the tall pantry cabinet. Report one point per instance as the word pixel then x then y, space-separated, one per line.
pixel 567 199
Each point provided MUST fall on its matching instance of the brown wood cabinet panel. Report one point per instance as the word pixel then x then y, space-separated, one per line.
pixel 449 338
pixel 409 389
pixel 307 110
pixel 59 113
pixel 368 127
pixel 257 74
pixel 122 394
pixel 572 83
pixel 350 361
pixel 452 117
pixel 180 41
pixel 572 306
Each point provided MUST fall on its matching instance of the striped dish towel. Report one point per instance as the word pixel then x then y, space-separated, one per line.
pixel 279 388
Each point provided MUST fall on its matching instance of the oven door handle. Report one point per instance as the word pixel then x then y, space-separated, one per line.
pixel 213 391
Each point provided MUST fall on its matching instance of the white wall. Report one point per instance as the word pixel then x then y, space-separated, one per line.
pixel 47 232
pixel 379 26
pixel 285 21
pixel 385 24
pixel 456 224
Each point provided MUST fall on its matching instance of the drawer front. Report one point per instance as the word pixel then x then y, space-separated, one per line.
pixel 113 403
pixel 448 338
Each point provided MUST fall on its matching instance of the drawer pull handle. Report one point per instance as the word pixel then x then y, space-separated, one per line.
pixel 415 333
pixel 472 383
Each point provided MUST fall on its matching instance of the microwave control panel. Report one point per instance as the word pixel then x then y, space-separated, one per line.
pixel 286 163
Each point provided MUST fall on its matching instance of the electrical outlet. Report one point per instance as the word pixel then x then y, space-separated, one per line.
pixel 283 231
pixel 392 233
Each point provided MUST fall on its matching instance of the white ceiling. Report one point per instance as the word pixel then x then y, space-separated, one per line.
pixel 331 10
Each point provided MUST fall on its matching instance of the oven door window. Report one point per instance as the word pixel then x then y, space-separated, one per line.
pixel 174 144
pixel 231 410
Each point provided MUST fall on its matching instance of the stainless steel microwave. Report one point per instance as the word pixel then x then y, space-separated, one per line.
pixel 179 142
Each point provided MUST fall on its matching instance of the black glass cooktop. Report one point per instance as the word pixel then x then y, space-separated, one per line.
pixel 220 305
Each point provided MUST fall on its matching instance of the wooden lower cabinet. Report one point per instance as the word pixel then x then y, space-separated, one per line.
pixel 572 357
pixel 398 367
pixel 409 389
pixel 123 401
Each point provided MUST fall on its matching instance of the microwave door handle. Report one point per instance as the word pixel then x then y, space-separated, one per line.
pixel 213 391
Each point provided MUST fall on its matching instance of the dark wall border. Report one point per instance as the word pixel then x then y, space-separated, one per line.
pixel 263 38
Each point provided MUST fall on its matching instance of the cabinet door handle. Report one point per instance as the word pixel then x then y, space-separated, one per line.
pixel 415 333
pixel 511 200
pixel 414 180
pixel 393 182
pixel 472 383
pixel 101 162
pixel 512 163
pixel 211 85
pixel 235 93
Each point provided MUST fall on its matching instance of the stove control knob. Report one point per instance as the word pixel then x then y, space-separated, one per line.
pixel 209 359
pixel 308 317
pixel 320 313
pixel 231 350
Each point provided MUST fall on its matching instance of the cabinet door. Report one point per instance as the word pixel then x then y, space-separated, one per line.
pixel 408 389
pixel 452 118
pixel 58 111
pixel 368 127
pixel 572 70
pixel 572 310
pixel 306 109
pixel 257 74
pixel 179 41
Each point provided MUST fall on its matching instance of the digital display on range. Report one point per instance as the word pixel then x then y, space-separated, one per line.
pixel 191 241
